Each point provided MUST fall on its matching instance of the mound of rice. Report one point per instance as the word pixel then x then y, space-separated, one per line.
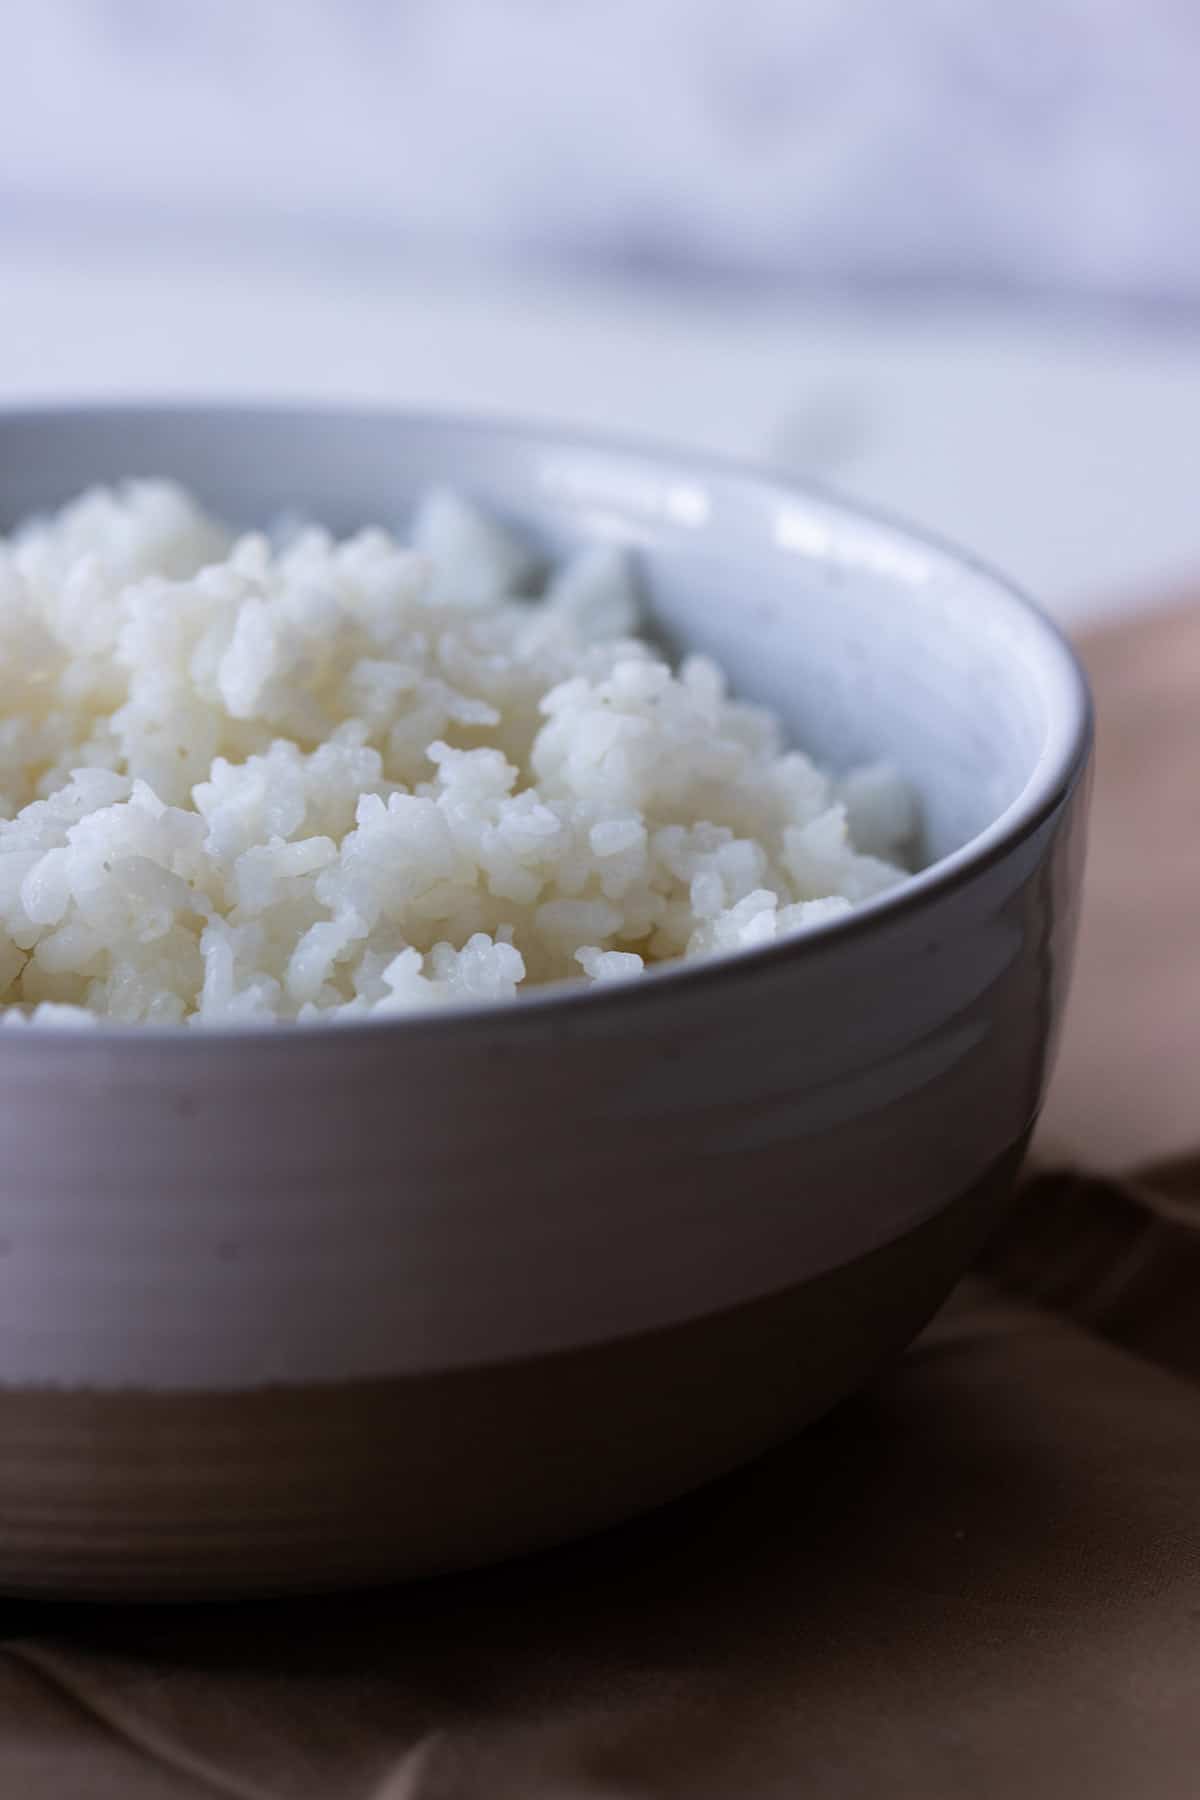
pixel 256 778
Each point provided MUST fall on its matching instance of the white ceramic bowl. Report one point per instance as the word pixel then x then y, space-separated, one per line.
pixel 311 1306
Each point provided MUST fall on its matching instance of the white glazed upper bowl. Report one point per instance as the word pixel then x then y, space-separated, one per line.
pixel 312 1305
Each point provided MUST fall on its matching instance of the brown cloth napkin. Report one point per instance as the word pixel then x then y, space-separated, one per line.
pixel 1127 1089
pixel 980 1579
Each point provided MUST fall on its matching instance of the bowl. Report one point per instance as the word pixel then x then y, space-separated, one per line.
pixel 299 1308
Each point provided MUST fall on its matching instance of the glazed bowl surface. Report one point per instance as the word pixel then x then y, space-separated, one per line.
pixel 303 1307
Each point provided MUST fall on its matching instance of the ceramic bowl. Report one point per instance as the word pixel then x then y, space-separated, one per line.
pixel 306 1307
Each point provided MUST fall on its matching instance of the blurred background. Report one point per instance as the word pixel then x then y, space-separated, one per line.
pixel 944 254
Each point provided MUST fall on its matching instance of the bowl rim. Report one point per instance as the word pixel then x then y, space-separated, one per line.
pixel 1060 763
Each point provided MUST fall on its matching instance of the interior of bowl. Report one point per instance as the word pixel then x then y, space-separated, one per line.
pixel 867 639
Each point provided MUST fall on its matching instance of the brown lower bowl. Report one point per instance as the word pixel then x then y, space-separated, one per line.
pixel 167 1496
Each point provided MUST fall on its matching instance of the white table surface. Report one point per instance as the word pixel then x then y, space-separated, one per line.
pixel 1062 452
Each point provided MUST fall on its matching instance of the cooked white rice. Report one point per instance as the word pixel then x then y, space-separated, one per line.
pixel 248 779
